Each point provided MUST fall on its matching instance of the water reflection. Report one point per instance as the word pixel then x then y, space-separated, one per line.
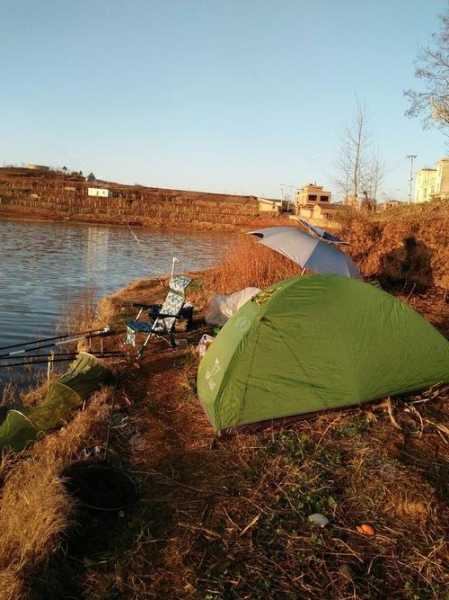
pixel 97 251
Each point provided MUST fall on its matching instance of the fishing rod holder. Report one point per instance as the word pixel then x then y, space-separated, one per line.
pixel 50 363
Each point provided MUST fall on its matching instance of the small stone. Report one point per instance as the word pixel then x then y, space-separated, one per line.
pixel 366 529
pixel 319 520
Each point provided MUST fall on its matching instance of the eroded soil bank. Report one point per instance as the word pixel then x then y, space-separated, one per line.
pixel 407 245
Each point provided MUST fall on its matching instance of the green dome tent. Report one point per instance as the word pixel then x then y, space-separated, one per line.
pixel 313 343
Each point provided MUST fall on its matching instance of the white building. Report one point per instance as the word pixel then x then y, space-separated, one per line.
pixel 98 192
pixel 433 182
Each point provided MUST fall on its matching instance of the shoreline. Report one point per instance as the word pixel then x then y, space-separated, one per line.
pixel 42 218
pixel 6 215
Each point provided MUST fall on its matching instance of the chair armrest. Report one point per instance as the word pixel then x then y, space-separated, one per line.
pixel 154 310
pixel 138 305
pixel 185 313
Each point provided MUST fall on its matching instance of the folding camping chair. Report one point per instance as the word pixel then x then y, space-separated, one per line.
pixel 163 317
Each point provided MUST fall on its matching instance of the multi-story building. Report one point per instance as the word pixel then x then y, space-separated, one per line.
pixel 312 194
pixel 433 183
pixel 313 203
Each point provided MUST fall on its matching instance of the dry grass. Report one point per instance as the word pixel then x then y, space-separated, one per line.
pixel 9 394
pixel 35 509
pixel 112 309
pixel 11 585
pixel 379 244
pixel 249 264
pixel 34 512
pixel 229 518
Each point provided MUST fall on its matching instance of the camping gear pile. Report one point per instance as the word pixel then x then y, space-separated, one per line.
pixel 85 375
pixel 314 343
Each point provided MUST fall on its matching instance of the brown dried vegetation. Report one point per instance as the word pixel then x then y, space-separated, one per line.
pixel 407 245
pixel 35 509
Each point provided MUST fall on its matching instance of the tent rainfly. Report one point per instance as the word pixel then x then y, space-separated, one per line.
pixel 314 343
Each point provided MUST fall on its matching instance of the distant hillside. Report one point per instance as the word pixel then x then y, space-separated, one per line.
pixel 62 195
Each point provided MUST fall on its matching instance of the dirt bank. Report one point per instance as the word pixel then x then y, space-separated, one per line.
pixel 407 246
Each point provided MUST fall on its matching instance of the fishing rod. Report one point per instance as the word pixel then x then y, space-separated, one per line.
pixel 90 333
pixel 44 362
pixel 37 362
pixel 144 248
pixel 60 341
pixel 60 354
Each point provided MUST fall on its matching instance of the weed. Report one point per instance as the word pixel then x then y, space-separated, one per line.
pixel 415 591
pixel 290 444
pixel 152 407
pixel 355 427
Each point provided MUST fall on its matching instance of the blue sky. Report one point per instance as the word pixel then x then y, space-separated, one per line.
pixel 238 96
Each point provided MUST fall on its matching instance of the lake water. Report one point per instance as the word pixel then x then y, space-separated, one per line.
pixel 46 266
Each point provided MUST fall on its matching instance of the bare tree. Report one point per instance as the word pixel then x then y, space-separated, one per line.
pixel 433 70
pixel 374 175
pixel 352 155
pixel 360 166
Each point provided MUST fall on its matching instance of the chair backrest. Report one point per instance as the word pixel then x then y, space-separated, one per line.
pixel 179 284
pixel 173 304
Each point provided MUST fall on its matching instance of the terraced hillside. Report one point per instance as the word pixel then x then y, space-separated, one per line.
pixel 62 195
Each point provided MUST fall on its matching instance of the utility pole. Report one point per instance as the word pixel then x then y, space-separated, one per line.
pixel 288 193
pixel 283 196
pixel 411 158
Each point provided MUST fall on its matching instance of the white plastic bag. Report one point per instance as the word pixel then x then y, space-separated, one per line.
pixel 204 343
pixel 222 307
